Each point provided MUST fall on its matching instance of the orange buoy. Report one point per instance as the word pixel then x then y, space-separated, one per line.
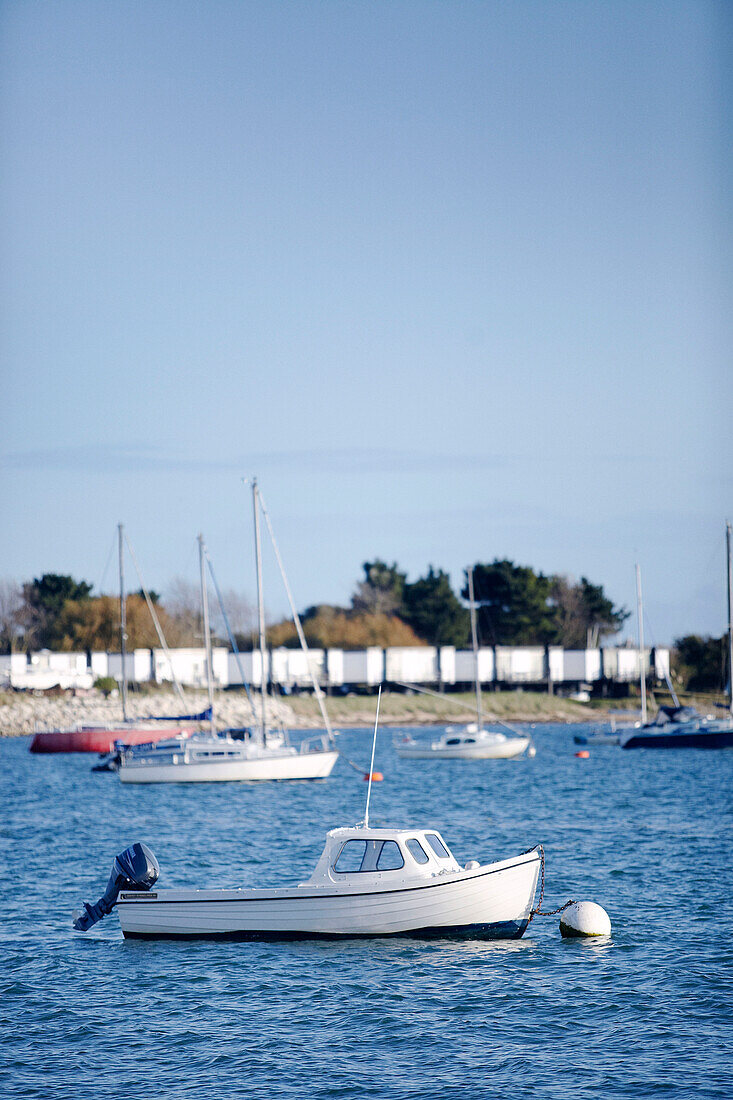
pixel 583 754
pixel 377 777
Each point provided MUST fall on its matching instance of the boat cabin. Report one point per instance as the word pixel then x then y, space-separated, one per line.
pixel 365 856
pixel 668 715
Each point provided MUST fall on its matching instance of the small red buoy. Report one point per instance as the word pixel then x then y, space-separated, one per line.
pixel 377 777
pixel 583 754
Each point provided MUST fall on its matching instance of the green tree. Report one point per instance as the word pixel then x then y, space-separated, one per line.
pixel 702 662
pixel 513 604
pixel 432 609
pixel 43 601
pixel 382 589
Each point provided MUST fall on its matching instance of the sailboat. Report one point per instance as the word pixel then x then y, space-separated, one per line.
pixel 682 727
pixel 100 737
pixel 263 753
pixel 473 741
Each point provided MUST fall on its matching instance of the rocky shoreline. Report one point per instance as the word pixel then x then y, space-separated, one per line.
pixel 24 712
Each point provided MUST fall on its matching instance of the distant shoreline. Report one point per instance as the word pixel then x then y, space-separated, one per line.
pixel 21 712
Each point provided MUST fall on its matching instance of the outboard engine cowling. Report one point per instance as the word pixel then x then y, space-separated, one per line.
pixel 134 869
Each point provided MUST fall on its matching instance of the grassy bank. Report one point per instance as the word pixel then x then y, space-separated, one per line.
pixel 398 708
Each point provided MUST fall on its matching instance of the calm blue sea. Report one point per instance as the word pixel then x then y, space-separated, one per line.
pixel 646 835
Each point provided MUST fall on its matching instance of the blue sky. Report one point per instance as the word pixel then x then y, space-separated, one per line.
pixel 451 278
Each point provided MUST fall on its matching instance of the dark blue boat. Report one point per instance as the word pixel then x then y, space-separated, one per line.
pixel 680 728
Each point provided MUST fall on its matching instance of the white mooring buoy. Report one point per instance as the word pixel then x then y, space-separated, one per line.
pixel 585 918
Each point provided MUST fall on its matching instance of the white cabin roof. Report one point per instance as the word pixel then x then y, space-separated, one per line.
pixel 425 859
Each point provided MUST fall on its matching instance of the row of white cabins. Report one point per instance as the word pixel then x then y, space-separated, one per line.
pixel 339 670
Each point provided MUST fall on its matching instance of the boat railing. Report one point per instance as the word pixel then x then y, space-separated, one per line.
pixel 315 744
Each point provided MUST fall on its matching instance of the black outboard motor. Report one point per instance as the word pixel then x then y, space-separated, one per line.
pixel 134 869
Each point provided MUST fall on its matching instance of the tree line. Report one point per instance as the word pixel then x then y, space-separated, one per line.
pixel 515 605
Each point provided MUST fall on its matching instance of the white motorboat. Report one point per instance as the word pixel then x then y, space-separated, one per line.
pixel 468 743
pixel 472 741
pixel 262 753
pixel 368 882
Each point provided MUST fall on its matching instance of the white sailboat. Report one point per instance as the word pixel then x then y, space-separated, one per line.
pixel 263 754
pixel 473 741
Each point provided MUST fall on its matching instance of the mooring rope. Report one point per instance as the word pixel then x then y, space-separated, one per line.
pixel 537 911
pixel 356 767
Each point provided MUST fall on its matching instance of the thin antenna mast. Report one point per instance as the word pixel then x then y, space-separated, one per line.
pixel 371 766
pixel 474 642
pixel 730 620
pixel 123 619
pixel 642 669
pixel 207 632
pixel 260 603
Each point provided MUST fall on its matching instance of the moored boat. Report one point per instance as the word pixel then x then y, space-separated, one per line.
pixel 98 737
pixel 219 758
pixel 367 882
pixel 262 754
pixel 472 741
pixel 469 743
pixel 101 737
pixel 680 728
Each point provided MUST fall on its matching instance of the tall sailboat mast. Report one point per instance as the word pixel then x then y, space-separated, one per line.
pixel 642 670
pixel 730 619
pixel 260 602
pixel 123 620
pixel 206 628
pixel 474 643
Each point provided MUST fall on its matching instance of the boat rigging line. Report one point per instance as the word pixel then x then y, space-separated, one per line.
pixel 455 703
pixel 156 622
pixel 232 639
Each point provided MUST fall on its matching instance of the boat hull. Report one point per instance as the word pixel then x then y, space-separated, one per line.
pixel 99 740
pixel 297 765
pixel 693 739
pixel 597 739
pixel 493 901
pixel 500 930
pixel 505 750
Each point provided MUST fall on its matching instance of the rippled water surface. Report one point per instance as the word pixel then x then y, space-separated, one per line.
pixel 645 834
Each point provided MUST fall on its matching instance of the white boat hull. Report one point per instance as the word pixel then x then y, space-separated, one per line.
pixel 500 750
pixel 493 901
pixel 286 765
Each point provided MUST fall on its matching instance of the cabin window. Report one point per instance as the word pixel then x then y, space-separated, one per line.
pixel 417 851
pixel 437 845
pixel 390 857
pixel 470 740
pixel 368 855
pixel 350 857
pixel 453 741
